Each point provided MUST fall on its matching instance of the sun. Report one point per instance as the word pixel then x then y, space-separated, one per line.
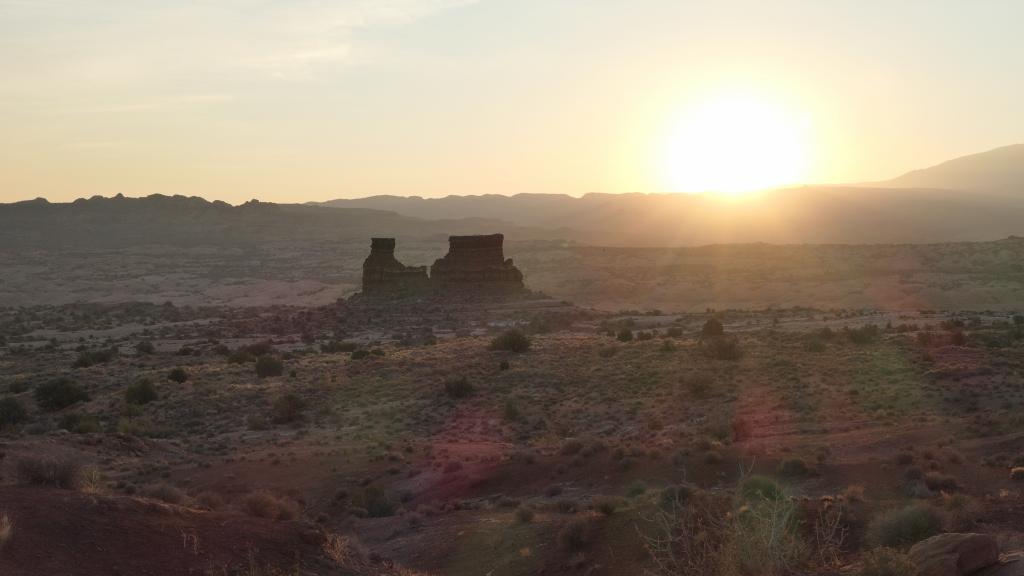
pixel 735 144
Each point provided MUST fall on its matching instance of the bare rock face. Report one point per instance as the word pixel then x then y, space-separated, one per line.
pixel 383 275
pixel 954 554
pixel 475 263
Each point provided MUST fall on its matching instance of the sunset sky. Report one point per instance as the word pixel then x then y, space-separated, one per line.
pixel 295 100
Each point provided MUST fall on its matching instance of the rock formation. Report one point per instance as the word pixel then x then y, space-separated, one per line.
pixel 475 263
pixel 385 275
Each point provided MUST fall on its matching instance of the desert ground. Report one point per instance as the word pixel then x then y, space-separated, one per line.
pixel 952 276
pixel 526 437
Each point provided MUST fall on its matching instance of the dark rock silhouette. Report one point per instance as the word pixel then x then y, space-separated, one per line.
pixel 383 274
pixel 476 263
pixel 473 264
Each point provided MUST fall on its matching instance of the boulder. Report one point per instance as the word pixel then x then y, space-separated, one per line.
pixel 954 554
pixel 1009 565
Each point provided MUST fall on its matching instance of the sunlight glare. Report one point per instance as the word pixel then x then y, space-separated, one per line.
pixel 735 144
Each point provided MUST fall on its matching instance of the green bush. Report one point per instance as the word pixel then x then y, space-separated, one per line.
pixel 141 392
pixel 886 562
pixel 287 409
pixel 145 347
pixel 905 526
pixel 458 387
pixel 512 341
pixel 756 488
pixel 269 366
pixel 360 354
pixel 177 375
pixel 12 412
pixel 624 335
pixel 59 393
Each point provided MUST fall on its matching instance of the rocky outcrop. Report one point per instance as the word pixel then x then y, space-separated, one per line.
pixel 954 554
pixel 384 275
pixel 475 263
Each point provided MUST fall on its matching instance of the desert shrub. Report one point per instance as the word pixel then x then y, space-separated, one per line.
pixel 145 347
pixel 636 488
pixel 257 422
pixel 41 471
pixel 675 494
pixel 335 346
pixel 360 354
pixel 287 409
pixel 164 492
pixel 178 375
pixel 524 515
pixel 766 539
pixel 458 387
pixel 18 386
pixel 141 392
pixel 624 335
pixel 263 504
pixel 141 427
pixel 210 500
pixel 794 468
pixel 503 365
pixel 267 365
pixel 12 412
pixel 958 338
pixel 59 393
pixel 88 358
pixel 377 502
pixel 863 334
pixel 607 351
pixel 724 348
pixel 700 384
pixel 571 447
pixel 1017 473
pixel 886 562
pixel 512 412
pixel 940 481
pixel 6 529
pixel 905 526
pixel 674 332
pixel 239 356
pixel 816 346
pixel 606 505
pixel 80 423
pixel 575 535
pixel 512 341
pixel 755 488
pixel 712 328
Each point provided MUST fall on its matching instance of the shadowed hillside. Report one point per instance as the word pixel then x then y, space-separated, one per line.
pixel 999 171
pixel 850 215
pixel 125 222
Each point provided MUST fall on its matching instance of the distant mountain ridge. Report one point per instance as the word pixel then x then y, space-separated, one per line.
pixel 100 222
pixel 998 171
pixel 974 198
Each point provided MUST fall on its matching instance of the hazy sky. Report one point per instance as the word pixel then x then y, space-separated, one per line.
pixel 295 100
